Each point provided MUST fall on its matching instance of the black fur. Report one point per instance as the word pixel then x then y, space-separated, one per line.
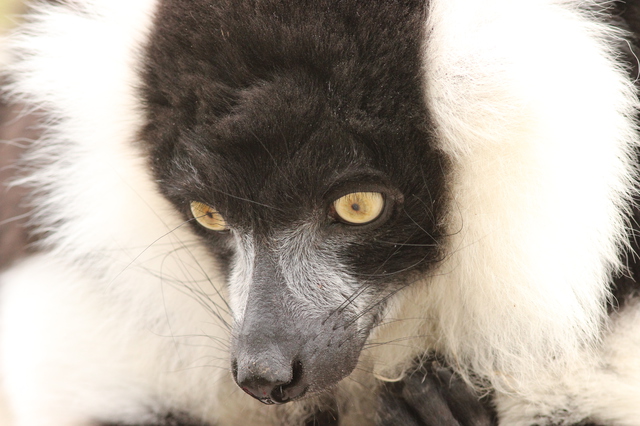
pixel 269 109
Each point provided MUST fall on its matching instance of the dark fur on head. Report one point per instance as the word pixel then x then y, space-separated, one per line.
pixel 270 121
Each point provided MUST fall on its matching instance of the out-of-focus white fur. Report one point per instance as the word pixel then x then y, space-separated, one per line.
pixel 539 126
pixel 535 113
pixel 68 356
pixel 537 116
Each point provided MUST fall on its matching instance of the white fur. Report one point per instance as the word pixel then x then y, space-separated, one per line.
pixel 534 113
pixel 241 274
pixel 538 123
pixel 112 237
pixel 537 116
pixel 314 274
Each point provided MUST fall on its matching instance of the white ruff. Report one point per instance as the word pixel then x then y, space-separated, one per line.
pixel 536 115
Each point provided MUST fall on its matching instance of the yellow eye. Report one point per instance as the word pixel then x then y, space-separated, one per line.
pixel 208 216
pixel 359 208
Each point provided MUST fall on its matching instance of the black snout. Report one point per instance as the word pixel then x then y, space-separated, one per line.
pixel 269 383
pixel 283 360
pixel 281 350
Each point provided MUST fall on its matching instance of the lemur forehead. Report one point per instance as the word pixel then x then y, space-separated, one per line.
pixel 270 100
pixel 205 58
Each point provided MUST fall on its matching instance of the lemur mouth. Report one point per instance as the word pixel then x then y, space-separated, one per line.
pixel 278 396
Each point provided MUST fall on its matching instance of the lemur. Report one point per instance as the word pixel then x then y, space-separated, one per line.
pixel 326 212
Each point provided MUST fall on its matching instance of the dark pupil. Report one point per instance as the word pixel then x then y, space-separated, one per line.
pixel 209 215
pixel 355 207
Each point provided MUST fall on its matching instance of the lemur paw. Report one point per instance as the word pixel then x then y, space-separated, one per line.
pixel 432 395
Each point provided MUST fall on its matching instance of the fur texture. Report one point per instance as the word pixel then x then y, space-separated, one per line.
pixel 504 131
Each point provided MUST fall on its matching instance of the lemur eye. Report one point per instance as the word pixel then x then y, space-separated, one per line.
pixel 358 208
pixel 208 217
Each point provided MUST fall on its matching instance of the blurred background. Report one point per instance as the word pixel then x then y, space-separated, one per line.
pixel 15 126
pixel 8 10
pixel 11 238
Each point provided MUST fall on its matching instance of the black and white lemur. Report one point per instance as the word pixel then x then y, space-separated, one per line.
pixel 353 212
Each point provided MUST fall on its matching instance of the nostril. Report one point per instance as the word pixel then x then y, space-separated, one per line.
pixel 279 394
pixel 260 390
pixel 273 391
pixel 297 372
pixel 292 390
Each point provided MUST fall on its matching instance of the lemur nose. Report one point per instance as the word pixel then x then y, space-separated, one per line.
pixel 268 382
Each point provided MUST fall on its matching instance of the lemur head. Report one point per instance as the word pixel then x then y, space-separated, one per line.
pixel 295 137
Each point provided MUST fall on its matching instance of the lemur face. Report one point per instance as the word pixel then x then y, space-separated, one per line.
pixel 300 151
